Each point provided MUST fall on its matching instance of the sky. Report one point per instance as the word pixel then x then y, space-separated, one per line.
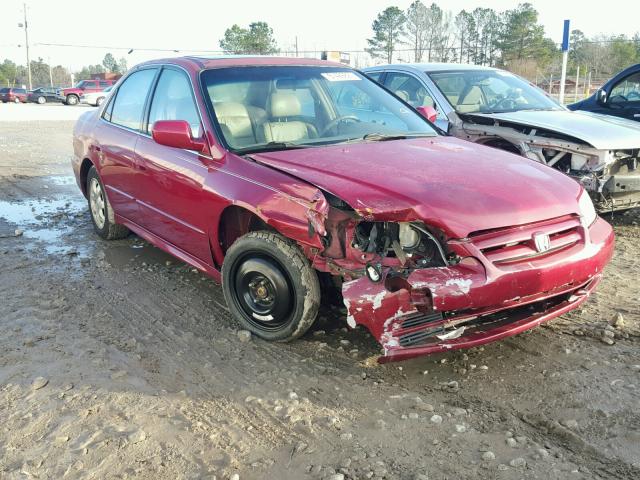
pixel 191 25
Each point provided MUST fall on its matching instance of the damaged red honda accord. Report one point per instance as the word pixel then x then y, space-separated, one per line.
pixel 269 174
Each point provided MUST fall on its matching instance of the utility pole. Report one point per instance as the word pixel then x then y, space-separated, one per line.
pixel 296 45
pixel 575 93
pixel 26 39
pixel 565 56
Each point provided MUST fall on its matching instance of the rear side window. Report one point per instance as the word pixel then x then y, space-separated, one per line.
pixel 104 84
pixel 19 90
pixel 172 100
pixel 128 105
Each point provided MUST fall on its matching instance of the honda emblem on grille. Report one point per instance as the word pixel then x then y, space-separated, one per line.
pixel 541 241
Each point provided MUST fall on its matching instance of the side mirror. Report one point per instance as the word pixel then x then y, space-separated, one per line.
pixel 601 97
pixel 427 112
pixel 177 134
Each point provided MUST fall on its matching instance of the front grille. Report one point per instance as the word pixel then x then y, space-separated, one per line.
pixel 514 244
pixel 421 319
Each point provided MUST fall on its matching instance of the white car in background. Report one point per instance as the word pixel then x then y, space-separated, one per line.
pixel 496 108
pixel 95 98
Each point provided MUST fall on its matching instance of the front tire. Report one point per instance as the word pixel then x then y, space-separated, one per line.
pixel 16 100
pixel 102 214
pixel 270 287
pixel 72 100
pixel 99 101
pixel 42 100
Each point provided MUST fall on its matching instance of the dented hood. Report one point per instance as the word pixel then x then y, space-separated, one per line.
pixel 457 186
pixel 600 131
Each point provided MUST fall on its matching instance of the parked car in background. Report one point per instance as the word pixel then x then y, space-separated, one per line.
pixel 276 174
pixel 95 98
pixel 44 95
pixel 619 97
pixel 71 96
pixel 496 108
pixel 15 95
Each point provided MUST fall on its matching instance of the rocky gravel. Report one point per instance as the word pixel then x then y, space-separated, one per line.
pixel 118 361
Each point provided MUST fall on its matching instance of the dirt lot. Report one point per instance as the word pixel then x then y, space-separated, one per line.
pixel 117 361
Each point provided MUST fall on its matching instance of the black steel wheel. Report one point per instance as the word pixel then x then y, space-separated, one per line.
pixel 270 286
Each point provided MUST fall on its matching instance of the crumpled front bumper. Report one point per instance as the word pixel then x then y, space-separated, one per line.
pixel 474 303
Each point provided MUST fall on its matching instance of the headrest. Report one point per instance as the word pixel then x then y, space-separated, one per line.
pixel 284 104
pixel 235 117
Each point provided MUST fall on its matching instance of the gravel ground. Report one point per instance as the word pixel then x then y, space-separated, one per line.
pixel 118 361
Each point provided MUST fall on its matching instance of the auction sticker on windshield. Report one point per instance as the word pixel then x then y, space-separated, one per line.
pixel 340 76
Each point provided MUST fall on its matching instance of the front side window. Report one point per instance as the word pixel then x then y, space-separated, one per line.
pixel 490 91
pixel 409 89
pixel 128 105
pixel 172 100
pixel 628 90
pixel 293 106
pixel 104 84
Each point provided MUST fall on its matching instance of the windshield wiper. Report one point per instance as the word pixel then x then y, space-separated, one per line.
pixel 382 137
pixel 269 147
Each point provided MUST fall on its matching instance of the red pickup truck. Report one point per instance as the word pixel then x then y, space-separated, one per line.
pixel 71 96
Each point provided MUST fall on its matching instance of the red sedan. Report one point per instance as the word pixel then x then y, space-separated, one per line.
pixel 275 175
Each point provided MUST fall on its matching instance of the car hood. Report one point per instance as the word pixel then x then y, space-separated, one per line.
pixel 603 132
pixel 457 186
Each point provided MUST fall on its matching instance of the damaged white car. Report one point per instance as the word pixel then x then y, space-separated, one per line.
pixel 496 108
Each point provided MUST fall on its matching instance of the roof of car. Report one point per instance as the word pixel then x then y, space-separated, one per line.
pixel 432 67
pixel 204 62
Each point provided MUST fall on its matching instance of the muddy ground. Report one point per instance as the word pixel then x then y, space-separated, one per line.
pixel 118 361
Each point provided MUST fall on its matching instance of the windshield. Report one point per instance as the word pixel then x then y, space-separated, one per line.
pixel 490 91
pixel 278 107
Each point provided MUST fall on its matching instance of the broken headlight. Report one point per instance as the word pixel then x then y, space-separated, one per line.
pixel 586 208
pixel 408 236
pixel 402 240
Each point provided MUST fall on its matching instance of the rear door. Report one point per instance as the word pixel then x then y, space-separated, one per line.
pixel 116 135
pixel 172 204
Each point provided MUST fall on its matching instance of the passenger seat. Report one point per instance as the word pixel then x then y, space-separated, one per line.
pixel 282 106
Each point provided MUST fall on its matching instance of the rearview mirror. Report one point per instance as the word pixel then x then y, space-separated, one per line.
pixel 177 134
pixel 428 112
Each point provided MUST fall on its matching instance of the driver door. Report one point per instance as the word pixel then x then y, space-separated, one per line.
pixel 624 98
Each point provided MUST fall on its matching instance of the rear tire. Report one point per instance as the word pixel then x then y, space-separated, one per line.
pixel 72 100
pixel 42 100
pixel 270 287
pixel 99 101
pixel 102 215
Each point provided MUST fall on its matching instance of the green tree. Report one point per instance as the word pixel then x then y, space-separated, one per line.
pixel 8 73
pixel 388 30
pixel 88 71
pixel 122 65
pixel 110 64
pixel 417 29
pixel 523 38
pixel 255 40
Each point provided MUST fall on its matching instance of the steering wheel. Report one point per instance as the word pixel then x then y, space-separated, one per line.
pixel 506 103
pixel 633 96
pixel 336 121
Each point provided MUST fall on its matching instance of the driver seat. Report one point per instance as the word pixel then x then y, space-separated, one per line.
pixel 281 107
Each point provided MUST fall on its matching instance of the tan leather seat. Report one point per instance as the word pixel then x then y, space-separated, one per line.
pixel 236 124
pixel 471 101
pixel 282 106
